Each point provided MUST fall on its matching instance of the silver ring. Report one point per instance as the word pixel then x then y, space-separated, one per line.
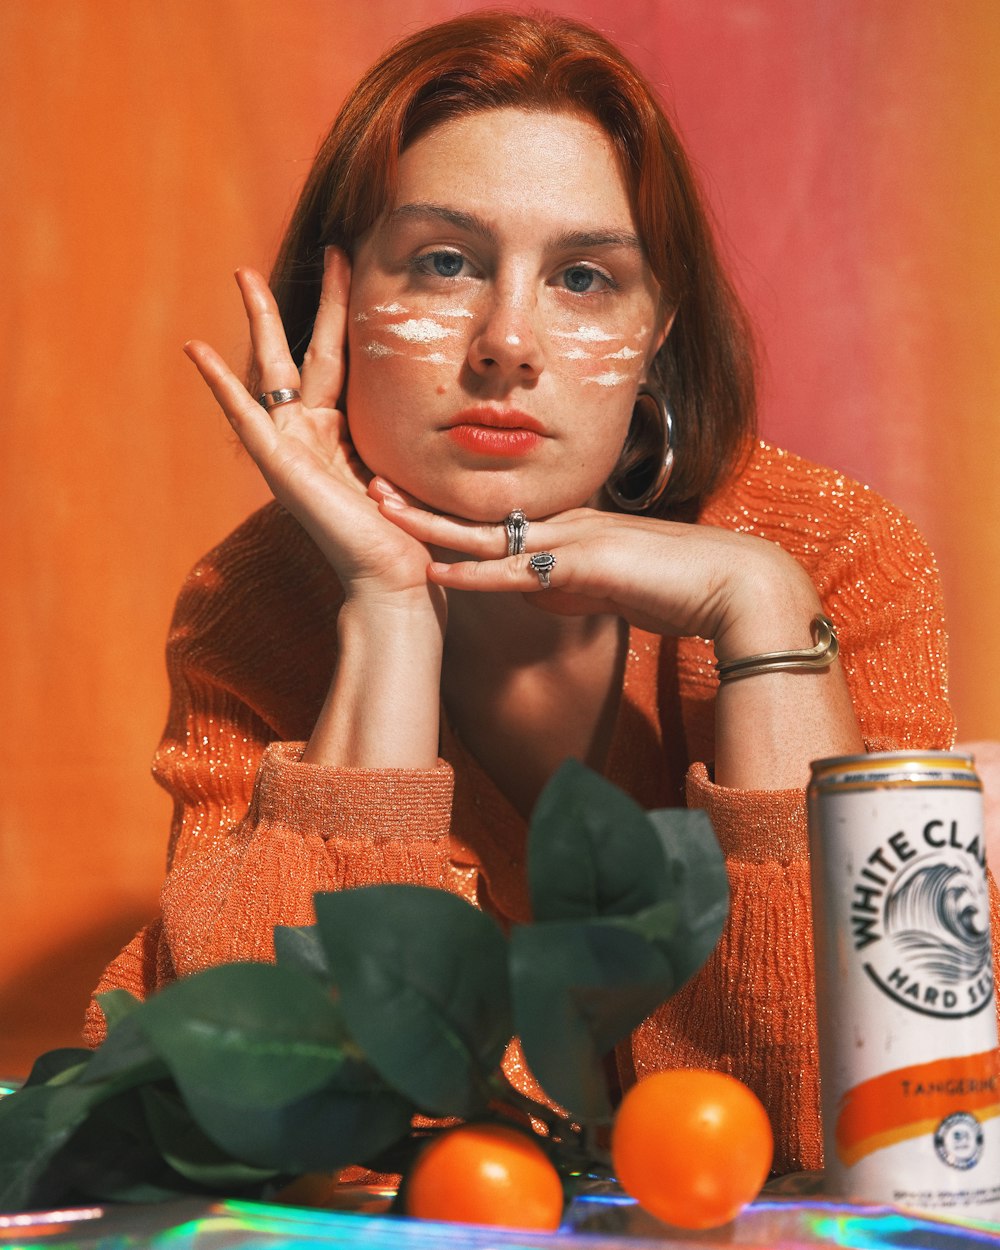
pixel 273 399
pixel 516 525
pixel 542 563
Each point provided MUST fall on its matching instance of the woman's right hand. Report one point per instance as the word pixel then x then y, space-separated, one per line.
pixel 303 448
pixel 381 710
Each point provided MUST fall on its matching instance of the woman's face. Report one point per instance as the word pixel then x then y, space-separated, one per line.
pixel 501 317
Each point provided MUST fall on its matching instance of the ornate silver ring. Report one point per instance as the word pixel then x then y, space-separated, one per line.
pixel 542 563
pixel 516 525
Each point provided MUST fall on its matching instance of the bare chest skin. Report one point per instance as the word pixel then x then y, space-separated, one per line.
pixel 521 710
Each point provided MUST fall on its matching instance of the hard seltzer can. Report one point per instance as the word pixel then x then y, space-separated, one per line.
pixel 909 1062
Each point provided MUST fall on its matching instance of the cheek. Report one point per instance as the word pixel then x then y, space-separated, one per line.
pixel 397 355
pixel 600 357
pixel 394 332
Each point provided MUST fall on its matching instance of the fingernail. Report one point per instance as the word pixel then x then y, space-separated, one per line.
pixel 386 488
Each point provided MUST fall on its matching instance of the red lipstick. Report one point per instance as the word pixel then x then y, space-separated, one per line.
pixel 499 432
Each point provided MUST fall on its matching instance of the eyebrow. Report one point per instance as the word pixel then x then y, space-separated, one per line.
pixel 568 240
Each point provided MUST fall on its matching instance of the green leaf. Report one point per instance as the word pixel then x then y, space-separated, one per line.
pixel 125 1057
pixel 423 985
pixel 35 1123
pixel 253 1033
pixel 650 896
pixel 58 1066
pixel 264 1064
pixel 326 1129
pixel 299 946
pixel 699 890
pixel 113 1157
pixel 578 988
pixel 186 1148
pixel 116 1005
pixel 591 850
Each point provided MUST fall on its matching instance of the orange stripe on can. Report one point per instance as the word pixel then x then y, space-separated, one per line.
pixel 911 1101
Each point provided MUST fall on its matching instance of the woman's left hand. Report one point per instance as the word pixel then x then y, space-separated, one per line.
pixel 744 593
pixel 663 576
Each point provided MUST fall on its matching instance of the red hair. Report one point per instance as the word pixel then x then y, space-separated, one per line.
pixel 494 59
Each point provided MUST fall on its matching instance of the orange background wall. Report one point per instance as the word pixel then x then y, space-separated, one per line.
pixel 849 146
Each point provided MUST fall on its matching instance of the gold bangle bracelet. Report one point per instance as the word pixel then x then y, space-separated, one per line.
pixel 820 656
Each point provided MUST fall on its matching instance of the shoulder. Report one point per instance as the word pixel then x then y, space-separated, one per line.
pixel 256 617
pixel 810 510
pixel 268 564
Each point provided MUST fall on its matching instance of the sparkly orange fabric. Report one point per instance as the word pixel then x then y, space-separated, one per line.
pixel 256 832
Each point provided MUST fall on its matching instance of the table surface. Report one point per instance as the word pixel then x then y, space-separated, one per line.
pixel 595 1222
pixel 792 1214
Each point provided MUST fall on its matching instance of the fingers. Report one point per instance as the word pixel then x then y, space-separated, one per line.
pixel 251 423
pixel 471 537
pixel 323 368
pixel 546 585
pixel 267 334
pixel 525 573
pixel 548 566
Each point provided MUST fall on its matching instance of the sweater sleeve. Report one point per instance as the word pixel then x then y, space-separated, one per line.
pixel 308 829
pixel 255 831
pixel 880 585
pixel 751 1009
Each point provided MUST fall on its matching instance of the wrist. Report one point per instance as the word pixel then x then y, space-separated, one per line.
pixel 407 615
pixel 381 710
pixel 820 655
pixel 773 611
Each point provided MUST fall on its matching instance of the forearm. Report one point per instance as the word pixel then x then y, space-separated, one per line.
pixel 383 706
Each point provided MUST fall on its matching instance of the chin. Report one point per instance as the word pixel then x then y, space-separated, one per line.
pixel 490 501
pixel 490 497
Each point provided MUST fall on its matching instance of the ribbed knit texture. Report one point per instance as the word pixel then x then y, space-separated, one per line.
pixel 256 832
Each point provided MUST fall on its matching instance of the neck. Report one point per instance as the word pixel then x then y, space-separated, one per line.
pixel 523 688
pixel 510 629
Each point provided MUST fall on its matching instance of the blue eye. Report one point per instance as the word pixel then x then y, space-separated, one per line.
pixel 586 280
pixel 441 264
pixel 579 279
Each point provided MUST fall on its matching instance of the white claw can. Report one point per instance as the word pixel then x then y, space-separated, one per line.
pixel 909 1063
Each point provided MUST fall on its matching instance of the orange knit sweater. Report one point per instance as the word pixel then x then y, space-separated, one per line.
pixel 256 832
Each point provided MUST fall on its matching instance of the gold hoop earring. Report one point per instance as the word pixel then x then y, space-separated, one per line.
pixel 652 410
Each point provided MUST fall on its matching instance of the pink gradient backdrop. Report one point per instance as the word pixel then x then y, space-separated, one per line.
pixel 849 148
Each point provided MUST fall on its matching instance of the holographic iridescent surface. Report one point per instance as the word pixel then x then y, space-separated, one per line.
pixel 599 1222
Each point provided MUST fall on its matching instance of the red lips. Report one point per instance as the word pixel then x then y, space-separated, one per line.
pixel 496 432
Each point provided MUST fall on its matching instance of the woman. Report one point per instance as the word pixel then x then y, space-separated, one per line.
pixel 494 548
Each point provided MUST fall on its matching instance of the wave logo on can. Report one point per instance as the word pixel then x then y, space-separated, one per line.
pixel 920 913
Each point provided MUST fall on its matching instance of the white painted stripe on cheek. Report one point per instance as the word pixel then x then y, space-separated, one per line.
pixel 610 378
pixel 585 334
pixel 420 330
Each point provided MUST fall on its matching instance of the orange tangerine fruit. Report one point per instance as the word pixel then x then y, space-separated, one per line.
pixel 692 1147
pixel 485 1174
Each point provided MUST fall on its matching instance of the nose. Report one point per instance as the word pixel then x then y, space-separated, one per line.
pixel 506 343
